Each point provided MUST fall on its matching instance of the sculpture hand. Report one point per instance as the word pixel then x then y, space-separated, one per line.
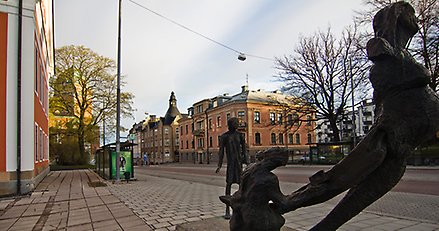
pixel 217 170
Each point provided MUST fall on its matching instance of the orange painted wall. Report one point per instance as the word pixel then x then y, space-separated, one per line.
pixel 40 116
pixel 3 72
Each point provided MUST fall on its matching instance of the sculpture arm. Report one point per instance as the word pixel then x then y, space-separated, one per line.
pixel 244 155
pixel 280 202
pixel 220 154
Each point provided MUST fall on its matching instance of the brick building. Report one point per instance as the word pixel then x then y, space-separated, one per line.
pixel 26 62
pixel 159 135
pixel 266 119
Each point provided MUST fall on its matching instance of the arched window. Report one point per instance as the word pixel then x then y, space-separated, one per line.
pixel 297 139
pixel 257 138
pixel 273 138
pixel 281 138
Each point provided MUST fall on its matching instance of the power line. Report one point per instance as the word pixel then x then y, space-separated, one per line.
pixel 197 33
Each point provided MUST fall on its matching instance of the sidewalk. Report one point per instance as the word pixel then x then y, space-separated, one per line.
pixel 66 200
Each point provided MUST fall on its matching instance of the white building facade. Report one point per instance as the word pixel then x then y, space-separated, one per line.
pixel 26 62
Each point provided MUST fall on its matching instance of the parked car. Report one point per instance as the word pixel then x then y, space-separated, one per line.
pixel 306 158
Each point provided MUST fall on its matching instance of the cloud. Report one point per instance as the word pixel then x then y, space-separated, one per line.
pixel 159 57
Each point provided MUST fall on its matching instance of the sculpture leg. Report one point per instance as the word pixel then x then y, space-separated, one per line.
pixel 363 160
pixel 378 183
pixel 228 192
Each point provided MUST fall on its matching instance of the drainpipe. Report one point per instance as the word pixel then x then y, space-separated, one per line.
pixel 19 48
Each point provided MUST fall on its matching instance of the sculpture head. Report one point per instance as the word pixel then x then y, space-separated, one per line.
pixel 396 23
pixel 232 124
pixel 273 157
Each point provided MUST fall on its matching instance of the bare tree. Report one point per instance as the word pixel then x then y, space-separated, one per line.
pixel 425 45
pixel 325 71
pixel 84 89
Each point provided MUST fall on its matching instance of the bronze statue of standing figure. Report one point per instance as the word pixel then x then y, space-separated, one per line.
pixel 233 143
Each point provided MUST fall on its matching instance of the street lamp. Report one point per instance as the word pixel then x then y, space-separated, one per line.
pixel 354 126
pixel 118 96
pixel 242 57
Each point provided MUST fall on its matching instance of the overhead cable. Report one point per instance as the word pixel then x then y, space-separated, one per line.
pixel 197 33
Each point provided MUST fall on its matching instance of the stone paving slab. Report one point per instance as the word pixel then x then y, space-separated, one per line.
pixel 165 203
pixel 65 200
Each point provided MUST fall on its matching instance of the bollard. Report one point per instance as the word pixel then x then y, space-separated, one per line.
pixel 127 176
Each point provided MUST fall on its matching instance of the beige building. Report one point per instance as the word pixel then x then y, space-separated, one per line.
pixel 159 135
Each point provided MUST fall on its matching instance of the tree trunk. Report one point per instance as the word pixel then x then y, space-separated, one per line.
pixel 81 144
pixel 335 131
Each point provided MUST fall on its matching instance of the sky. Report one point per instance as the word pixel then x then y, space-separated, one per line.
pixel 158 57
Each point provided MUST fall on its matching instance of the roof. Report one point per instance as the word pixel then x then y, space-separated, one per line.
pixel 261 96
pixel 172 112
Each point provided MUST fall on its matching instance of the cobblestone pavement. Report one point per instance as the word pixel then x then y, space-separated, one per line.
pixel 163 203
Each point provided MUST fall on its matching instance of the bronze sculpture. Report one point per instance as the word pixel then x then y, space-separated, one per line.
pixel 259 194
pixel 233 143
pixel 407 114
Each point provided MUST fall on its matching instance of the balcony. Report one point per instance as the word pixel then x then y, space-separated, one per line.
pixel 198 132
pixel 367 113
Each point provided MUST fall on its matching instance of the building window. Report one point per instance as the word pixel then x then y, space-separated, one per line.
pixel 241 115
pixel 210 141
pixel 279 118
pixel 181 128
pixel 199 108
pixel 210 123
pixel 200 142
pixel 296 118
pixel 281 138
pixel 227 116
pixel 41 144
pixel 309 138
pixel 258 138
pixel 297 138
pixel 257 117
pixel 187 144
pixel 273 138
pixel 37 74
pixel 308 120
pixel 36 142
pixel 200 125
pixel 272 118
pixel 187 129
pixel 166 131
pixel 290 119
pixel 290 138
pixel 218 121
